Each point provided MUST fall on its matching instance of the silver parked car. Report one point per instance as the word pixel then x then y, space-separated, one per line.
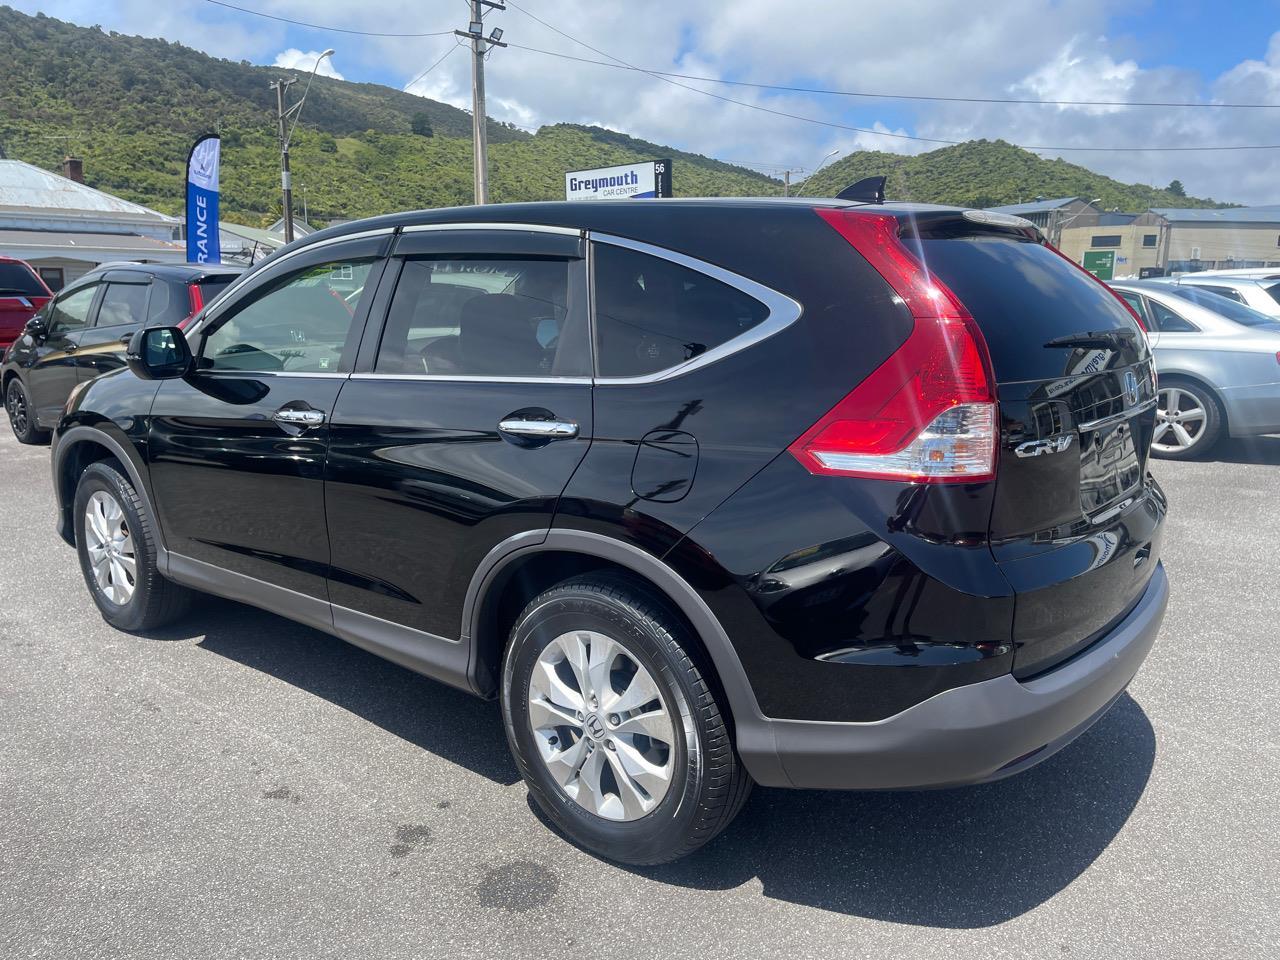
pixel 1218 362
pixel 1261 292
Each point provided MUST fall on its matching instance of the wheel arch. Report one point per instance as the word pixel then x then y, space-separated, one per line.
pixel 76 449
pixel 524 565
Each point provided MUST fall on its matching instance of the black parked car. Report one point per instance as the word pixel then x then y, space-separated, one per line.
pixel 704 492
pixel 80 333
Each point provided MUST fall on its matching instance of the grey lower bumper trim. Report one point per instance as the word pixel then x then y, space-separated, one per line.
pixel 969 734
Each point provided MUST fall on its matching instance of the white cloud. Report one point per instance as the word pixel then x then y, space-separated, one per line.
pixel 295 59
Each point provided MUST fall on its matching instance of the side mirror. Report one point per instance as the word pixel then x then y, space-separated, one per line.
pixel 36 328
pixel 159 353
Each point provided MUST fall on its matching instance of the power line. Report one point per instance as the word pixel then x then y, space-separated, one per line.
pixel 621 65
pixel 320 26
pixel 660 75
pixel 452 49
pixel 835 124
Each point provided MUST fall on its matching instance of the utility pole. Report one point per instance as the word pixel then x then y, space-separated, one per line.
pixel 280 86
pixel 479 129
pixel 786 183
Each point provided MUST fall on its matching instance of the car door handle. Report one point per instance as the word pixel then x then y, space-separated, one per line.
pixel 71 348
pixel 299 418
pixel 542 429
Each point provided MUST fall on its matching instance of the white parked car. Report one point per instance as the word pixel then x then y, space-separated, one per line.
pixel 1260 293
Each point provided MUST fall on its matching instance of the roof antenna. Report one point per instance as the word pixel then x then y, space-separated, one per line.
pixel 866 190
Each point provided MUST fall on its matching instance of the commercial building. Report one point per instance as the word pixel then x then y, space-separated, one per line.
pixel 64 228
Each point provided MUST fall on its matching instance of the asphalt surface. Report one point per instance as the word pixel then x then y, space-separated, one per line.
pixel 245 787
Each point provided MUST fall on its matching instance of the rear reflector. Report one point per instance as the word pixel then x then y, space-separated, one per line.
pixel 928 413
pixel 196 296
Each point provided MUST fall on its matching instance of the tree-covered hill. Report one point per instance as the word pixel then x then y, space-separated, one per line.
pixel 131 107
pixel 987 173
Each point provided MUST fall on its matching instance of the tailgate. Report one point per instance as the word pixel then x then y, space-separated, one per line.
pixel 1075 520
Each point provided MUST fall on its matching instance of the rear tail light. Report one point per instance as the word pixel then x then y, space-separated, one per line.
pixel 196 296
pixel 928 413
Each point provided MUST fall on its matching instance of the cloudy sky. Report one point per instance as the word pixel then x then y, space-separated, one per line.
pixel 1142 50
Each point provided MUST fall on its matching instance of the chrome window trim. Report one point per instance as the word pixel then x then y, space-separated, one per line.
pixel 324 374
pixel 473 225
pixel 783 311
pixel 219 306
pixel 465 378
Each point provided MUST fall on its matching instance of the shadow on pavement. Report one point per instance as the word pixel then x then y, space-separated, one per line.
pixel 446 722
pixel 1259 450
pixel 963 858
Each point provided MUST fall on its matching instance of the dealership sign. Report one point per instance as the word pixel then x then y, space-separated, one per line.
pixel 651 178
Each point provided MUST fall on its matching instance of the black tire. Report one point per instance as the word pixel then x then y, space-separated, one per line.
pixel 22 415
pixel 155 601
pixel 1208 436
pixel 708 783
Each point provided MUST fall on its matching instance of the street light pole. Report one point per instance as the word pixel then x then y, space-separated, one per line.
pixel 286 135
pixel 286 184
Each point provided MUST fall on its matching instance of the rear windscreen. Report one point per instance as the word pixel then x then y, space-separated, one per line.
pixel 1228 308
pixel 212 287
pixel 1023 295
pixel 17 281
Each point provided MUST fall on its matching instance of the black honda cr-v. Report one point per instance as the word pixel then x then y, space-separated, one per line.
pixel 810 494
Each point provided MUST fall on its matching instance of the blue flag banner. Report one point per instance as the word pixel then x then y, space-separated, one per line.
pixel 202 201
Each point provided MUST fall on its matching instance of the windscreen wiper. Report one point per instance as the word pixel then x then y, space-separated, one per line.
pixel 1106 339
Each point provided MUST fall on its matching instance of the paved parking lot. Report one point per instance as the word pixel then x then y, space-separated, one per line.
pixel 245 787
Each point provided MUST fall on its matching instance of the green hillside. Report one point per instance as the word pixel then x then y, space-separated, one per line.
pixel 131 107
pixel 987 173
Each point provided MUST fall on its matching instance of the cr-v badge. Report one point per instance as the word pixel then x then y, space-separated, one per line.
pixel 1034 448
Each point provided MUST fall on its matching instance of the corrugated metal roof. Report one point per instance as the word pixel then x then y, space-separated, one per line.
pixel 1228 215
pixel 31 188
pixel 1035 206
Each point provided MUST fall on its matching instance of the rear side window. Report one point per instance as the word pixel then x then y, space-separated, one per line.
pixel 213 286
pixel 17 281
pixel 122 303
pixel 652 314
pixel 168 305
pixel 482 317
pixel 1169 322
pixel 1274 291
pixel 1023 295
pixel 1223 292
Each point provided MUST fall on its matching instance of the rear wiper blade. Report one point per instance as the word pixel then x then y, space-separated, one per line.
pixel 1114 339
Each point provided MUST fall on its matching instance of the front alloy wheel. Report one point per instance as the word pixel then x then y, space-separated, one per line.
pixel 21 416
pixel 110 547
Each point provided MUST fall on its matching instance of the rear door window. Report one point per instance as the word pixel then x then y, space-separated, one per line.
pixel 485 317
pixel 652 314
pixel 1139 305
pixel 122 303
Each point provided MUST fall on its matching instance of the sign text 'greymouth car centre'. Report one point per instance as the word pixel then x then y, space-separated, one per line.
pixel 652 178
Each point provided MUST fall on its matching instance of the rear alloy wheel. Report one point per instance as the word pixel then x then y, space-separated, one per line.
pixel 21 417
pixel 1188 421
pixel 610 712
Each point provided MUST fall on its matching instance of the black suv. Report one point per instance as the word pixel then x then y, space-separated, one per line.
pixel 81 332
pixel 705 492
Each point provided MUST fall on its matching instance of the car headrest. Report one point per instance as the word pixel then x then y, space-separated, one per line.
pixel 497 336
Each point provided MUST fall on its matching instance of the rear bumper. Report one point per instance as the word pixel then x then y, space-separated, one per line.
pixel 971 734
